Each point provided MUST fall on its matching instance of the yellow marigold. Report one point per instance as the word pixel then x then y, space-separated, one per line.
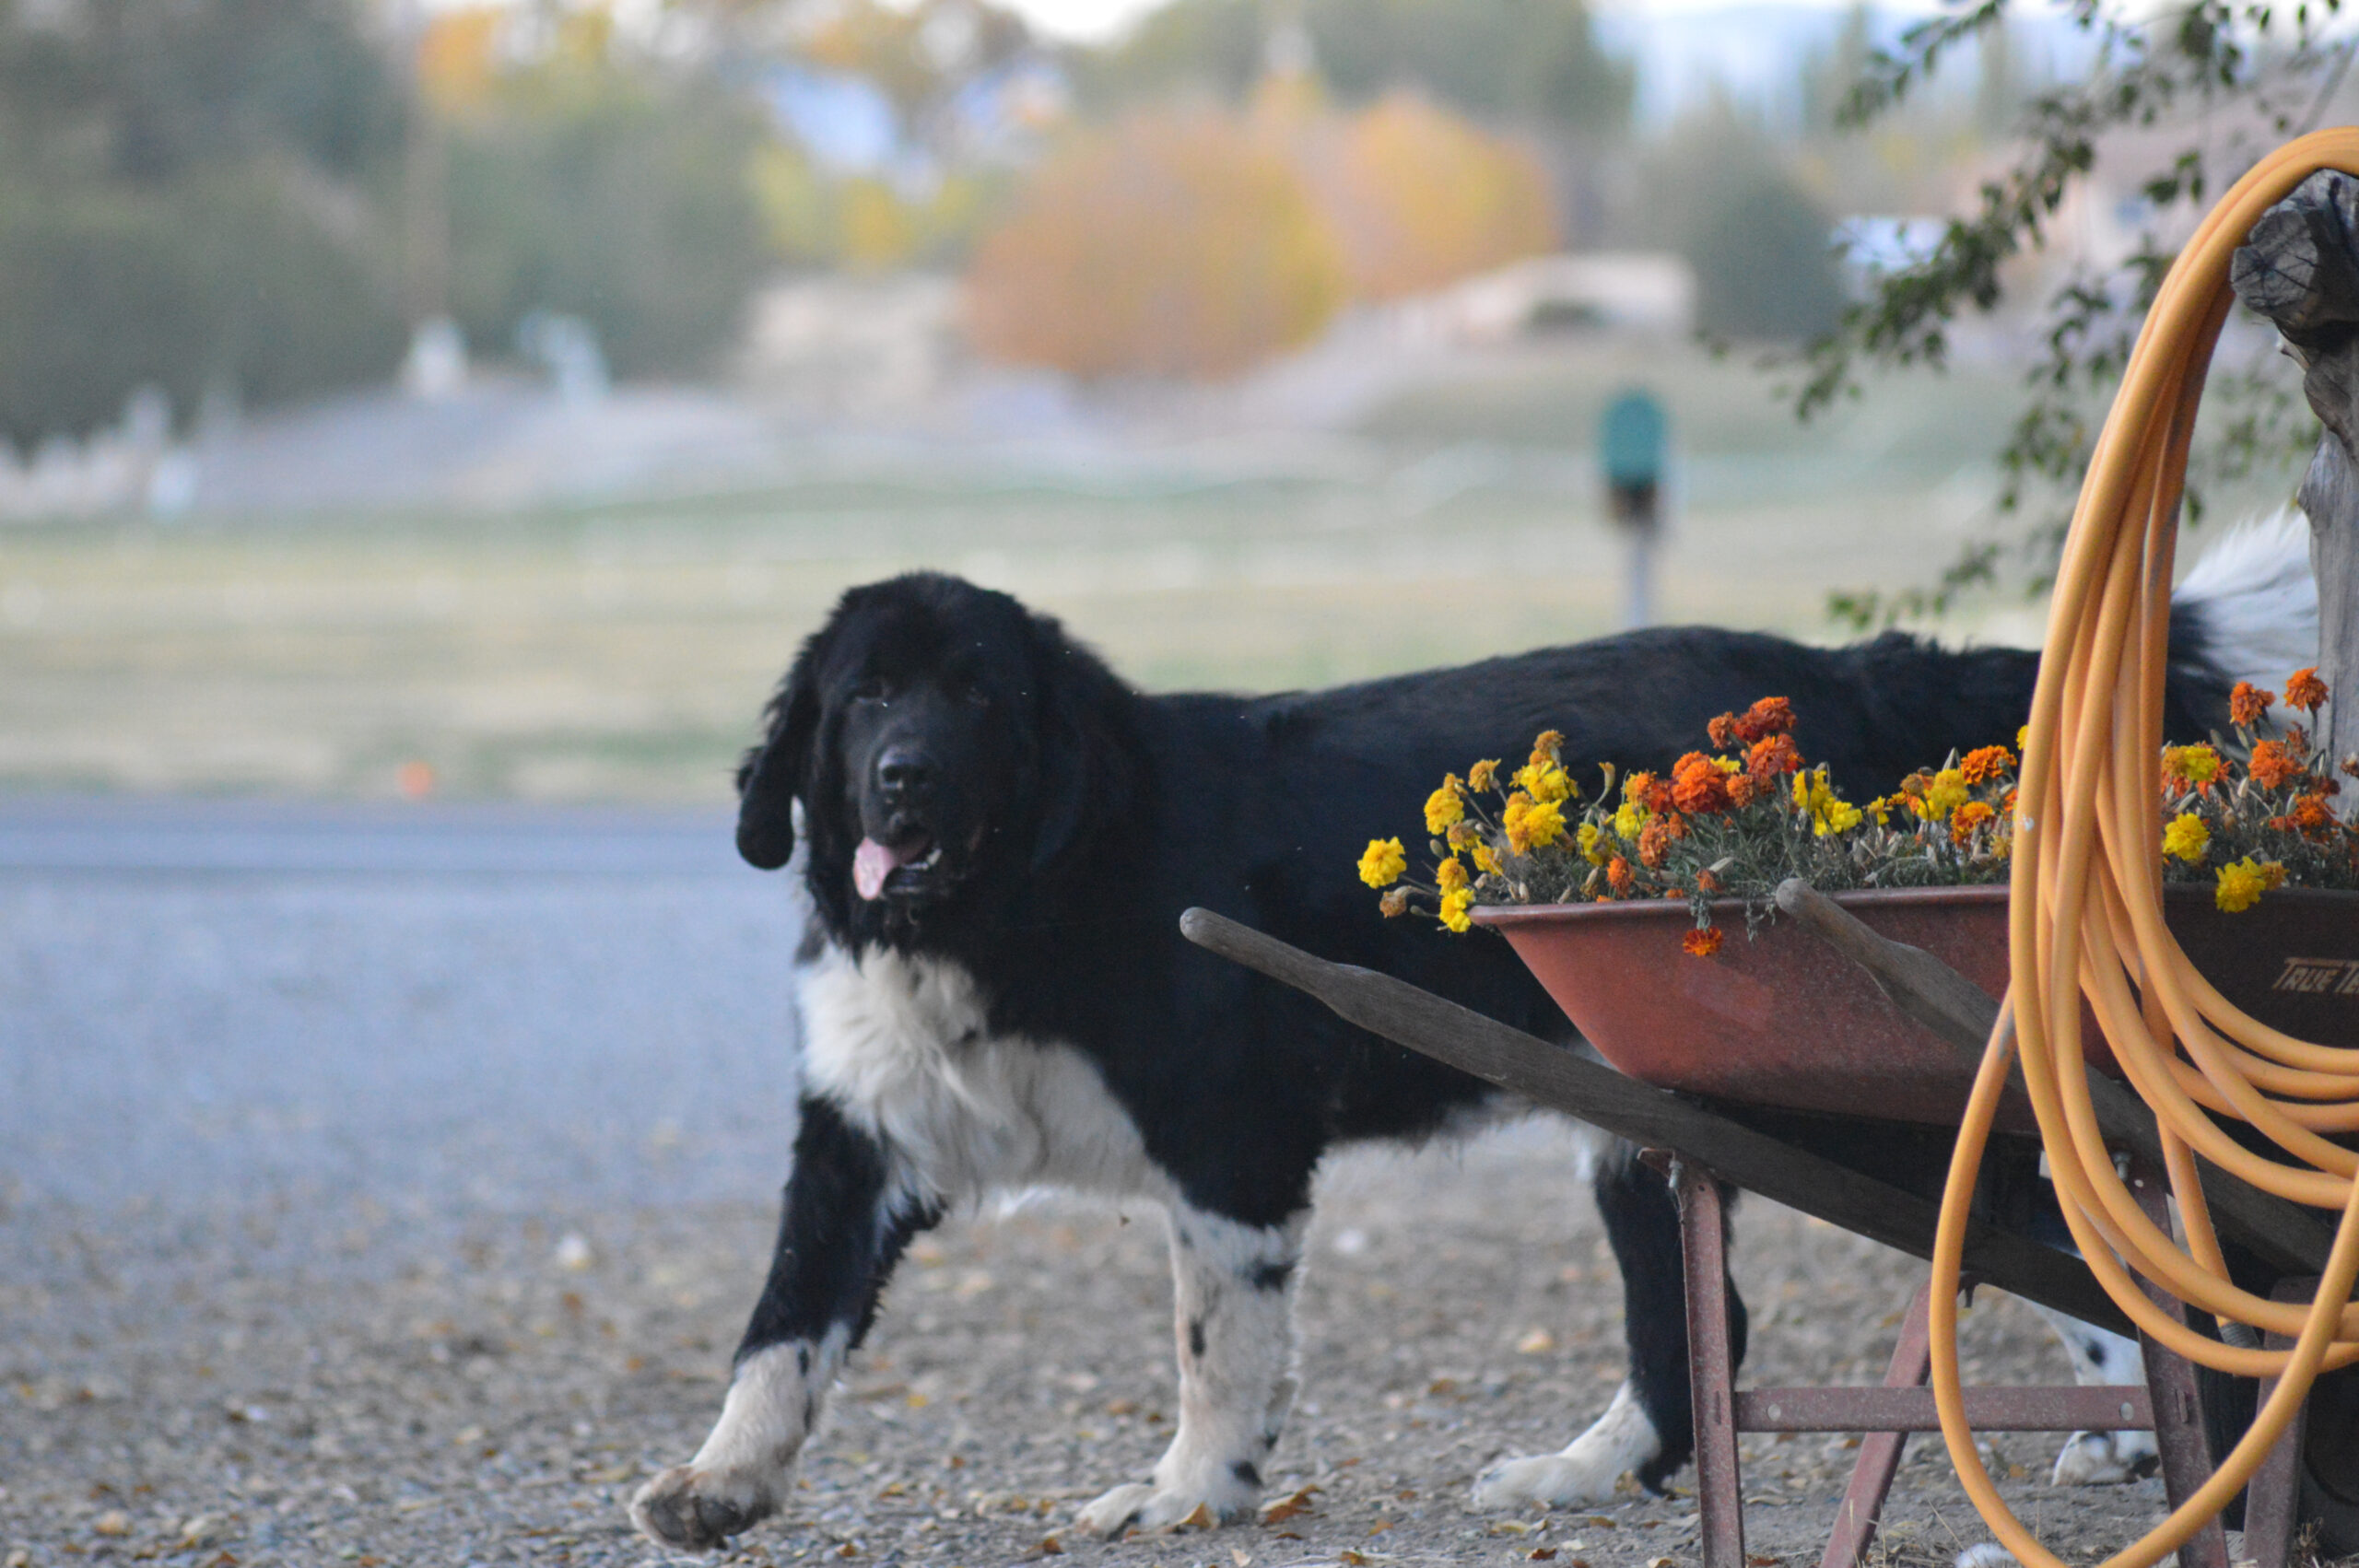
pixel 1394 903
pixel 1461 834
pixel 1840 816
pixel 1450 875
pixel 2242 884
pixel 2022 734
pixel 1592 841
pixel 1454 907
pixel 2192 765
pixel 1444 806
pixel 1942 796
pixel 1881 808
pixel 1384 862
pixel 1486 860
pixel 1547 747
pixel 1544 824
pixel 2186 837
pixel 1629 821
pixel 1543 780
pixel 1483 776
pixel 1969 816
pixel 1985 764
pixel 1703 942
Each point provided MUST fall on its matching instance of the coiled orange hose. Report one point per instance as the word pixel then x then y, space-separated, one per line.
pixel 2085 918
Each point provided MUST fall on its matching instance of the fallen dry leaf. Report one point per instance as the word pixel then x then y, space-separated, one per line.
pixel 1541 1554
pixel 1200 1518
pixel 1288 1507
pixel 1050 1547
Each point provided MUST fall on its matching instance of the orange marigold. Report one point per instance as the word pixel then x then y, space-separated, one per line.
pixel 2311 814
pixel 1985 764
pixel 1546 748
pixel 1772 757
pixel 1617 874
pixel 2248 705
pixel 1706 882
pixel 1722 730
pixel 2273 767
pixel 2306 691
pixel 1770 716
pixel 1702 943
pixel 1655 840
pixel 1743 790
pixel 1697 788
pixel 1967 818
pixel 1657 796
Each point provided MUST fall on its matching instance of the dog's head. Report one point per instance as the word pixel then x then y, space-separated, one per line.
pixel 942 743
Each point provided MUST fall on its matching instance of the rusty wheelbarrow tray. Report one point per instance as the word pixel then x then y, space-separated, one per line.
pixel 1850 970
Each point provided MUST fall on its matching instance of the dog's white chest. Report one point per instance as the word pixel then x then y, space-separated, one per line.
pixel 904 1046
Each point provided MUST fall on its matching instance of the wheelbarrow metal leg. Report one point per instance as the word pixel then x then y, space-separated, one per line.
pixel 1711 1373
pixel 2179 1410
pixel 1863 1506
pixel 2272 1498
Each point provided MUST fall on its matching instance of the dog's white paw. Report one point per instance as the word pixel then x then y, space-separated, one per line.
pixel 1550 1480
pixel 693 1510
pixel 2105 1458
pixel 1150 1506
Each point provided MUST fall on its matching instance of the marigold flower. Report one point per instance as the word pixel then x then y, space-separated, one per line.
pixel 1454 907
pixel 1657 796
pixel 1545 781
pixel 1547 747
pixel 1384 862
pixel 1943 794
pixel 1461 834
pixel 1589 840
pixel 1722 730
pixel 1617 874
pixel 2248 705
pixel 1772 757
pixel 1628 819
pixel 1706 882
pixel 1702 942
pixel 1698 788
pixel 1840 816
pixel 1743 790
pixel 2306 691
pixel 1485 858
pixel 2297 740
pixel 1532 825
pixel 1445 805
pixel 1770 716
pixel 1450 875
pixel 1987 765
pixel 1483 776
pixel 2273 767
pixel 2242 884
pixel 2187 837
pixel 1967 818
pixel 2311 814
pixel 1635 787
pixel 1655 840
pixel 2191 765
pixel 1394 903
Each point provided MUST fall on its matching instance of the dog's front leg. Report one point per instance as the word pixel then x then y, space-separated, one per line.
pixel 1233 1287
pixel 844 1226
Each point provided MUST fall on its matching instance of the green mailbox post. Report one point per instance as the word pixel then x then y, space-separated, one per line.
pixel 1631 436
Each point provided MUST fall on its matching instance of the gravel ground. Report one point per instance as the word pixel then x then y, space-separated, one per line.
pixel 382 1216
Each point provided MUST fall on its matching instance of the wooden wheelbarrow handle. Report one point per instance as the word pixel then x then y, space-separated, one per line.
pixel 1651 1118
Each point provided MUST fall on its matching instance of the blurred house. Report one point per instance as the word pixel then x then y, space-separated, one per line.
pixel 1619 291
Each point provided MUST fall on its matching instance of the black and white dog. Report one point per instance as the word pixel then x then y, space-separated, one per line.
pixel 999 836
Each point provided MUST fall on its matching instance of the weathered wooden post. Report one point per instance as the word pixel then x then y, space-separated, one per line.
pixel 2300 268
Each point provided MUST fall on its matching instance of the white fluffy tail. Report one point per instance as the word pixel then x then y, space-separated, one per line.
pixel 2254 601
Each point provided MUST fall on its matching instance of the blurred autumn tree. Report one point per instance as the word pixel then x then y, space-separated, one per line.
pixel 1172 244
pixel 586 181
pixel 1419 198
pixel 187 200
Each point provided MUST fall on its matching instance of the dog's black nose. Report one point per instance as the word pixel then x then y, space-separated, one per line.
pixel 903 771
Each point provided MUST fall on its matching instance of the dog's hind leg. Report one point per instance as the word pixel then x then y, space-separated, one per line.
pixel 1234 1289
pixel 2101 1459
pixel 844 1227
pixel 1648 1429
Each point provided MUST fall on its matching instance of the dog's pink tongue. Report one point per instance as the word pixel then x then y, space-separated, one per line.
pixel 871 864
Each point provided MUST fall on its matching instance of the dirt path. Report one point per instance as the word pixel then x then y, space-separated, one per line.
pixel 281 1386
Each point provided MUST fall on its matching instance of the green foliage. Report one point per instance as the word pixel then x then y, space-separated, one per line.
pixel 1530 61
pixel 2194 94
pixel 1761 245
pixel 626 204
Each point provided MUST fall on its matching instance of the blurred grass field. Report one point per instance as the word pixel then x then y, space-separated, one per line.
pixel 621 652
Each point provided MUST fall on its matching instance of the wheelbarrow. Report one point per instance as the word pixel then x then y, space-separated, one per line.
pixel 1751 1068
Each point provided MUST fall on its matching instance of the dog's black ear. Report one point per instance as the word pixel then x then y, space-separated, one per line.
pixel 1086 771
pixel 772 774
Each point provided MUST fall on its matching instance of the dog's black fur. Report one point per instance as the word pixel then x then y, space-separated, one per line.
pixel 1076 818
